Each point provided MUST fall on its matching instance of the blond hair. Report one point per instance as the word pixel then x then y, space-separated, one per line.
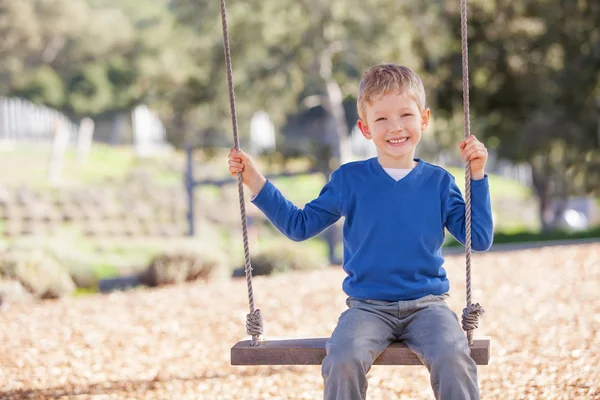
pixel 384 78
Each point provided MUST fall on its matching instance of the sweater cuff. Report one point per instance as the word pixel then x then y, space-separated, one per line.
pixel 484 181
pixel 261 196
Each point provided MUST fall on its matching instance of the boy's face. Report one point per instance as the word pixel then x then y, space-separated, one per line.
pixel 395 123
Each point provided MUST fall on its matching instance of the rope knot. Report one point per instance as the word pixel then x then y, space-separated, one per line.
pixel 254 323
pixel 470 316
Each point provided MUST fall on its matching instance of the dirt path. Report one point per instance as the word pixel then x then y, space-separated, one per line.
pixel 542 314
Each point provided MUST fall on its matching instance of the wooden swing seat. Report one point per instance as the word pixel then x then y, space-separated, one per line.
pixel 311 351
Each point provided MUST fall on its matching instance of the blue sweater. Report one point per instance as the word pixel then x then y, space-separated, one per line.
pixel 393 230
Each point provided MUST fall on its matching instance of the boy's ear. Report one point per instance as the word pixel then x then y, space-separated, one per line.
pixel 425 117
pixel 364 128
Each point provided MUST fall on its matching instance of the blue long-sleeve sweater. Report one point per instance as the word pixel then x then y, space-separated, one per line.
pixel 393 230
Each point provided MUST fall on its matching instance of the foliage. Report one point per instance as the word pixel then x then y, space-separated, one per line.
pixel 38 272
pixel 88 57
pixel 533 69
pixel 285 257
pixel 12 291
pixel 535 84
pixel 181 265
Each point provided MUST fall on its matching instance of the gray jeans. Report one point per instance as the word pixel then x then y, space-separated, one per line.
pixel 426 325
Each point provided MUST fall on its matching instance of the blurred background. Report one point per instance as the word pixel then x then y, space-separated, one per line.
pixel 115 125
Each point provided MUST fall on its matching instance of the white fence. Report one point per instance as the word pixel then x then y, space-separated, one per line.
pixel 149 133
pixel 23 121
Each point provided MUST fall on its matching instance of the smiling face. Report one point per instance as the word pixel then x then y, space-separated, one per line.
pixel 394 123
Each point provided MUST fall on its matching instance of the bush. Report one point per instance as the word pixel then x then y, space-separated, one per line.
pixel 181 265
pixel 285 257
pixel 12 291
pixel 77 265
pixel 70 258
pixel 38 272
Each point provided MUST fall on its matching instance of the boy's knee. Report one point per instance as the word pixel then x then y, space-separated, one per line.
pixel 452 357
pixel 346 362
pixel 454 373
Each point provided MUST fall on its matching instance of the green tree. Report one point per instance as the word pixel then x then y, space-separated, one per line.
pixel 286 51
pixel 89 57
pixel 535 81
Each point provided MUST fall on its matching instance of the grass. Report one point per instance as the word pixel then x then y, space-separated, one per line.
pixel 301 189
pixel 103 270
pixel 105 163
pixel 106 257
pixel 500 187
pixel 271 238
pixel 526 236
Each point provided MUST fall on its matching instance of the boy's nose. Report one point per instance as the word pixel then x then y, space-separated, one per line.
pixel 396 125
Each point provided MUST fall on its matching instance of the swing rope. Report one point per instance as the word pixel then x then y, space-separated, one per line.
pixel 472 311
pixel 254 322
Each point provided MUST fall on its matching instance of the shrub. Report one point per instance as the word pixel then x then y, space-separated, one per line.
pixel 70 258
pixel 285 257
pixel 76 264
pixel 12 291
pixel 38 272
pixel 181 265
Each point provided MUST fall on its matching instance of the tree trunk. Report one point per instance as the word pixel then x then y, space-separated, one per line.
pixel 333 103
pixel 541 186
pixel 341 152
pixel 336 105
pixel 545 213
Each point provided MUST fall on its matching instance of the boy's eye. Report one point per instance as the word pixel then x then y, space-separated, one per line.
pixel 407 115
pixel 380 119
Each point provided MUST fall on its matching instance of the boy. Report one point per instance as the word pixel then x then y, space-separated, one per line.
pixel 396 208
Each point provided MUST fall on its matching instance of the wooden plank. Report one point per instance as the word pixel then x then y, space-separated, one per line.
pixel 311 351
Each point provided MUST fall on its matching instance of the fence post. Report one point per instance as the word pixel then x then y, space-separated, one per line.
pixel 84 140
pixel 189 187
pixel 59 146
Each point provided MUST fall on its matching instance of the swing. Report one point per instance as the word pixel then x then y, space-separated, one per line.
pixel 311 351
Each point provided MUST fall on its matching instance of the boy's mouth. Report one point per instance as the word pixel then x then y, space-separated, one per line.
pixel 397 141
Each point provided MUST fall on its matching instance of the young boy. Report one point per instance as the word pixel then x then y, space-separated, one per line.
pixel 396 208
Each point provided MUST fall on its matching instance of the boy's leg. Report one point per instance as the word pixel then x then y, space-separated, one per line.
pixel 363 332
pixel 433 332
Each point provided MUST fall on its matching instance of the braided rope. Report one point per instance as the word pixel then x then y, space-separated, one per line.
pixel 471 313
pixel 254 322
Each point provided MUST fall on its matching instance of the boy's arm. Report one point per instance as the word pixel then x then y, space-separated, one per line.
pixel 482 226
pixel 301 224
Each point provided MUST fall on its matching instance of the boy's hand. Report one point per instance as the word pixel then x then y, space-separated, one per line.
pixel 240 162
pixel 473 150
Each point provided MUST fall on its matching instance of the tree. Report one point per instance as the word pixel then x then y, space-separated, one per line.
pixel 534 74
pixel 89 57
pixel 286 51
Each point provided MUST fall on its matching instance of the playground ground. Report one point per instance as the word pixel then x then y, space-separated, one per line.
pixel 542 314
